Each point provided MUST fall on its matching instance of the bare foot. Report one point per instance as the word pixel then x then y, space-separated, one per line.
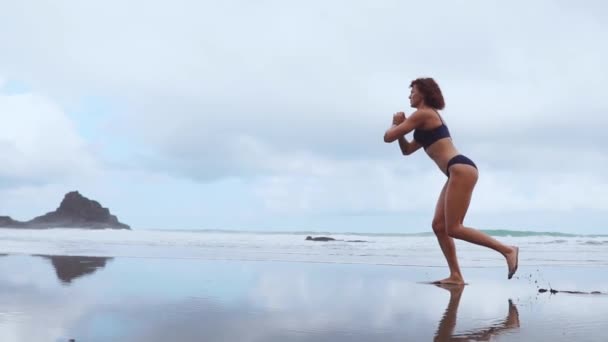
pixel 451 280
pixel 512 260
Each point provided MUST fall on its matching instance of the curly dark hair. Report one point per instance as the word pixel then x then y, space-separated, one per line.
pixel 430 92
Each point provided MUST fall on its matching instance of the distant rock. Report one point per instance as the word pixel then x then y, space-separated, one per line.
pixel 6 221
pixel 320 238
pixel 75 211
pixel 325 238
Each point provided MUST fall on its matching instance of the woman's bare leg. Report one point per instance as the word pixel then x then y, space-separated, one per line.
pixel 458 197
pixel 446 242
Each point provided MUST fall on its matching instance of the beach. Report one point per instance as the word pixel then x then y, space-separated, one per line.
pixel 178 296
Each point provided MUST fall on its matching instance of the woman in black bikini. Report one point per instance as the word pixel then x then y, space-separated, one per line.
pixel 431 133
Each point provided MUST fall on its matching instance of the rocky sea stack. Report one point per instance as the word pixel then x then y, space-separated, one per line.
pixel 75 211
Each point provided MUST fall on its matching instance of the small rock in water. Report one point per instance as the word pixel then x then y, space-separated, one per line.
pixel 320 238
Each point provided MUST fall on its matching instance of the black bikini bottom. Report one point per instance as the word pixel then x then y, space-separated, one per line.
pixel 459 159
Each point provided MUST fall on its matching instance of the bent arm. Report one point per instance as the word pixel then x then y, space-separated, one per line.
pixel 408 147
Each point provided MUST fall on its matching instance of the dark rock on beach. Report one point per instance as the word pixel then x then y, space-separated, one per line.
pixel 320 238
pixel 554 291
pixel 325 238
pixel 75 211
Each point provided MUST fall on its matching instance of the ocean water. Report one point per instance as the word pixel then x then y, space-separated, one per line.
pixel 536 248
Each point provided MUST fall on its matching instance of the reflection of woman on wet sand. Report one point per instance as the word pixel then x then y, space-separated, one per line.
pixel 445 330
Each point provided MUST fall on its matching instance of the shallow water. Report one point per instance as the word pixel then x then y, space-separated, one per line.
pixel 55 298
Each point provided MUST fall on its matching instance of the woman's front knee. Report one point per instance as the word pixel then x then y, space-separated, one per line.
pixel 439 227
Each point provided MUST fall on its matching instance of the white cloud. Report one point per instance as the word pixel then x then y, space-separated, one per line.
pixel 306 184
pixel 294 98
pixel 320 77
pixel 39 143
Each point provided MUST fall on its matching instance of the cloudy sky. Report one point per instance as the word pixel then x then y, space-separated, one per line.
pixel 269 115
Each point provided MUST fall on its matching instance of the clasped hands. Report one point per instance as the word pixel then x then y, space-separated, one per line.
pixel 398 118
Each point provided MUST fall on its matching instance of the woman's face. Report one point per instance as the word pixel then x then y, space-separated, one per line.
pixel 416 98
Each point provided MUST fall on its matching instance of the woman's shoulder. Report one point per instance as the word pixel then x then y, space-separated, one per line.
pixel 424 114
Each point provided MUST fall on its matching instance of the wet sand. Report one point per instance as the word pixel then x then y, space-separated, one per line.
pixel 58 298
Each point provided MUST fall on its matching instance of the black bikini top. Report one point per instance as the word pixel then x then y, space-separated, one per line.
pixel 427 137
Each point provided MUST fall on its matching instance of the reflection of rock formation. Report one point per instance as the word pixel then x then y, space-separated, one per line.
pixel 69 268
pixel 445 330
